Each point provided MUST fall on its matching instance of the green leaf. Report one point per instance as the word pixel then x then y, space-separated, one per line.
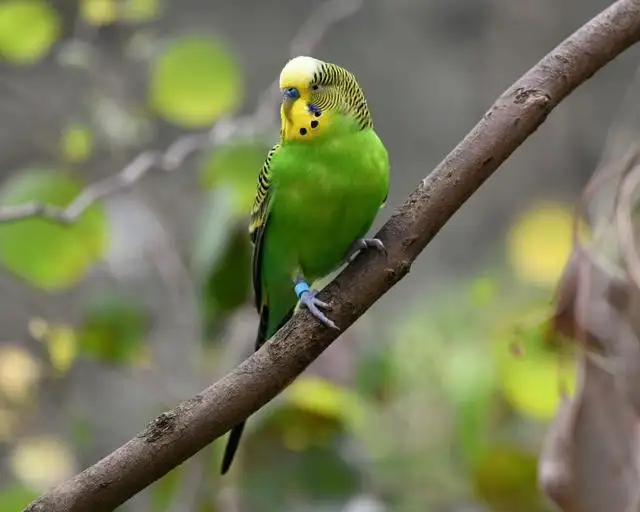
pixel 194 82
pixel 483 291
pixel 237 166
pixel 140 10
pixel 467 372
pixel 505 479
pixel 229 284
pixel 163 491
pixel 221 260
pixel 375 374
pixel 468 381
pixel 472 425
pixel 319 473
pixel 28 29
pixel 112 330
pixel 76 143
pixel 216 224
pixel 321 397
pixel 81 433
pixel 107 12
pixel 44 253
pixel 15 497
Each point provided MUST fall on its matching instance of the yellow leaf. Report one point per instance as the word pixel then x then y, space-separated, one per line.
pixel 76 143
pixel 42 462
pixel 99 12
pixel 140 10
pixel 63 347
pixel 295 438
pixel 533 385
pixel 321 397
pixel 19 372
pixel 539 243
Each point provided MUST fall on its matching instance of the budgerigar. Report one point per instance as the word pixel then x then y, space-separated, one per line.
pixel 318 193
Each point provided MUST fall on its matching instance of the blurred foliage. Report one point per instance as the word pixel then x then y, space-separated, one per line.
pixel 534 381
pixel 113 330
pixel 42 462
pixel 222 257
pixel 76 143
pixel 235 166
pixel 505 479
pixel 19 373
pixel 15 497
pixel 228 285
pixel 194 82
pixel 540 242
pixel 28 29
pixel 48 255
pixel 164 491
pixel 107 12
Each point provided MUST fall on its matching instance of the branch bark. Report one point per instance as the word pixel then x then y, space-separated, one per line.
pixel 176 435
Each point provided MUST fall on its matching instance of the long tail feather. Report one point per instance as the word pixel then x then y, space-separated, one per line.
pixel 236 432
pixel 232 447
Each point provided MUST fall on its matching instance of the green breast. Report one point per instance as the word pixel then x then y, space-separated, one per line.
pixel 326 194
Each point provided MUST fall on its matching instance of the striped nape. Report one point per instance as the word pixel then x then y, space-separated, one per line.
pixel 345 94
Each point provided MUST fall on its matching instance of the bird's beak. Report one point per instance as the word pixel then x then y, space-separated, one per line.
pixel 287 104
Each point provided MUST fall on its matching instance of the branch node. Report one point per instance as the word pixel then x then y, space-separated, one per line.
pixel 523 95
pixel 159 427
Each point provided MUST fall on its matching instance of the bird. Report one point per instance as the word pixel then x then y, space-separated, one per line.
pixel 318 193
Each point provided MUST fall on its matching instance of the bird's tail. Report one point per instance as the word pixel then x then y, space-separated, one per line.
pixel 232 447
pixel 236 432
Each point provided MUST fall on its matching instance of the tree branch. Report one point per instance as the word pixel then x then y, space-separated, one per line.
pixel 176 435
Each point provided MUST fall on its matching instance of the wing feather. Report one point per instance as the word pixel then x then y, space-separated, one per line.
pixel 258 223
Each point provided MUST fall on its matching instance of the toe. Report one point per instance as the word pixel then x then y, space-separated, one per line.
pixel 321 304
pixel 322 317
pixel 377 244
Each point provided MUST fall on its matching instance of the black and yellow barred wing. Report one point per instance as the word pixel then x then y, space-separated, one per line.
pixel 258 222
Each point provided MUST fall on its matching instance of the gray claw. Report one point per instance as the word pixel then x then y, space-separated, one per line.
pixel 365 243
pixel 308 298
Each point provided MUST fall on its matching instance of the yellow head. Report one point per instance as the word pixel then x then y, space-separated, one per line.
pixel 313 92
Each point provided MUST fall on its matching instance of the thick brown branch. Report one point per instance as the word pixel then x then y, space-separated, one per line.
pixel 176 435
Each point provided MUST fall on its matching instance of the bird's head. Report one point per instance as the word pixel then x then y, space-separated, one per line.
pixel 314 95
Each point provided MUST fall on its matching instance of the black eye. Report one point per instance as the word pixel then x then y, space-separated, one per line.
pixel 315 87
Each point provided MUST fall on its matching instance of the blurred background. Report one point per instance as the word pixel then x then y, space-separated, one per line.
pixel 437 399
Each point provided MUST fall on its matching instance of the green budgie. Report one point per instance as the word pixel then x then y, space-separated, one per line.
pixel 318 193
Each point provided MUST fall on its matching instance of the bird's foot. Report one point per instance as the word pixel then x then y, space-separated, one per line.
pixel 364 243
pixel 307 297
